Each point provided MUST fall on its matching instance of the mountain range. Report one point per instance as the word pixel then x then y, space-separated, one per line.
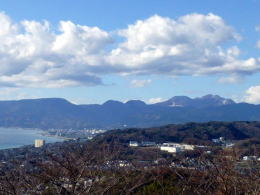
pixel 46 113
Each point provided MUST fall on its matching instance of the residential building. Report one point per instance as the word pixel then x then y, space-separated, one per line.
pixel 39 143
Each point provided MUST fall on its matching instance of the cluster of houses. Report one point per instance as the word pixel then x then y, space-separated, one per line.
pixel 169 147
pixel 74 133
pixel 180 147
pixel 143 143
pixel 251 158
pixel 221 141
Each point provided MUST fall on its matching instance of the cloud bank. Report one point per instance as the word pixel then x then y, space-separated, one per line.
pixel 33 54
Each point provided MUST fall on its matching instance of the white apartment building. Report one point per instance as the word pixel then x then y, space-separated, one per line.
pixel 39 143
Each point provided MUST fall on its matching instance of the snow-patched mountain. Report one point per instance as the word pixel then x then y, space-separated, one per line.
pixel 204 101
pixel 55 113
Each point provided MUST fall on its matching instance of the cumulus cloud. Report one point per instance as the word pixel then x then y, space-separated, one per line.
pixel 253 95
pixel 190 45
pixel 34 54
pixel 155 100
pixel 140 83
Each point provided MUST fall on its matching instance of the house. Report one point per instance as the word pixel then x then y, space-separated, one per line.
pixel 218 140
pixel 249 158
pixel 123 163
pixel 171 149
pixel 133 144
pixel 187 147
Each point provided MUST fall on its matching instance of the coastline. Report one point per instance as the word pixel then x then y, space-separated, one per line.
pixel 16 137
pixel 56 136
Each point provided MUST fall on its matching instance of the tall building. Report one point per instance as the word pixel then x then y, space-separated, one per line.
pixel 39 143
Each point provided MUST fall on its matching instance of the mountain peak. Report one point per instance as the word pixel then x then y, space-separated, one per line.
pixel 135 103
pixel 178 101
pixel 112 103
pixel 54 101
pixel 204 101
pixel 180 98
pixel 215 99
pixel 210 96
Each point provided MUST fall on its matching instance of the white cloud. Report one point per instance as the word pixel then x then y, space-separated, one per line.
pixel 15 94
pixel 155 100
pixel 257 28
pixel 231 79
pixel 140 83
pixel 190 45
pixel 253 95
pixel 34 54
pixel 80 40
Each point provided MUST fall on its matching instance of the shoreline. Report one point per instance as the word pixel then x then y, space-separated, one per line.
pixel 56 136
pixel 17 137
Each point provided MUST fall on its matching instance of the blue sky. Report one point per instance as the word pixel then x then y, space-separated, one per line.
pixel 92 51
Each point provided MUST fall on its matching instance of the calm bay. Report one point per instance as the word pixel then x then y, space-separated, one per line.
pixel 17 137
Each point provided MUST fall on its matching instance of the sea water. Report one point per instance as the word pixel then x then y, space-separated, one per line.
pixel 17 137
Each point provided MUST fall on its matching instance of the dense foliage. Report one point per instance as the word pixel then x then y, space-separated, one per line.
pixel 194 133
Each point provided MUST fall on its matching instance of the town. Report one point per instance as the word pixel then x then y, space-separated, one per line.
pixel 107 158
pixel 73 134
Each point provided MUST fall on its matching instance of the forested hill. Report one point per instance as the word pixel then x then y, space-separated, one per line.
pixel 59 113
pixel 193 133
